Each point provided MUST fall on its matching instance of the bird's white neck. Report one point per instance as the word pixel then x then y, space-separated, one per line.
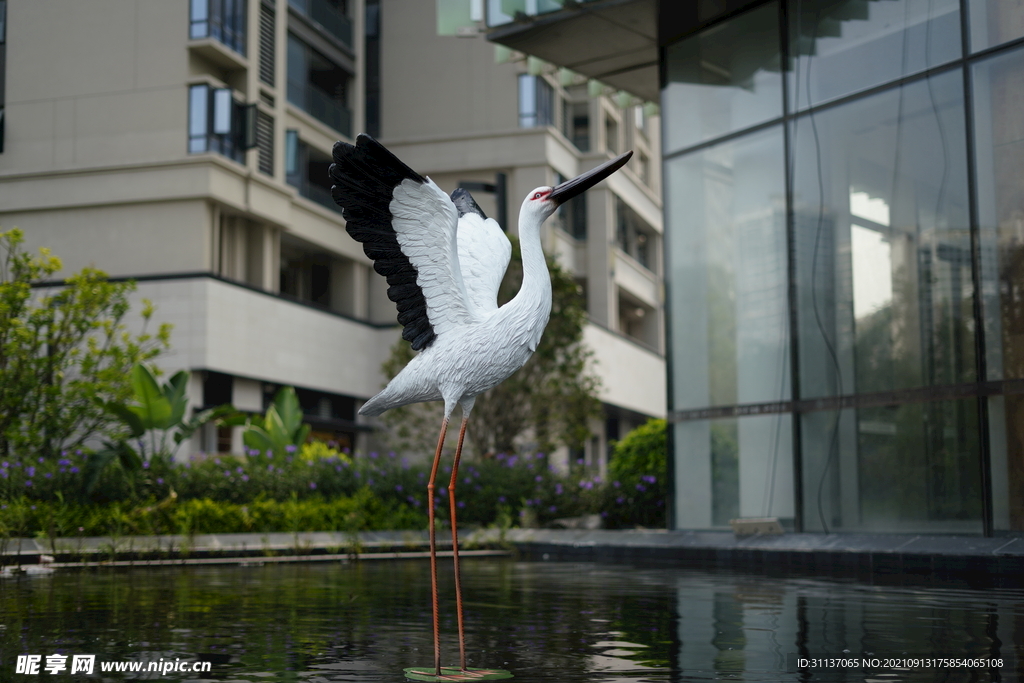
pixel 532 305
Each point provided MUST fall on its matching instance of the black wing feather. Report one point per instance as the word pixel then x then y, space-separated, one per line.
pixel 365 176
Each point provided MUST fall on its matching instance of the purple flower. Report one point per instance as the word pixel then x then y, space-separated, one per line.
pixel 373 454
pixel 74 470
pixel 49 475
pixel 291 448
pixel 398 487
pixel 312 484
pixel 616 484
pixel 30 471
pixel 461 504
pixel 63 461
pixel 538 478
pixel 641 487
pixel 227 473
pixel 501 499
pixel 558 489
pixel 539 456
pixel 270 468
pixel 337 468
pixel 3 473
pixel 78 452
pixel 145 465
pixel 620 500
pixel 245 477
pixel 160 480
pixel 41 460
pixel 442 491
pixel 239 470
pixel 63 470
pixel 552 509
pixel 28 483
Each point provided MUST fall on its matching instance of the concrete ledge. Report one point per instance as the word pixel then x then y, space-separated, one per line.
pixel 877 558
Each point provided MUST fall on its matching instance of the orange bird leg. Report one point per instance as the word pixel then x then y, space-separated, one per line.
pixel 433 547
pixel 455 544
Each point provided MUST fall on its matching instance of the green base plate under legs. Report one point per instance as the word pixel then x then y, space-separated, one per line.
pixel 454 673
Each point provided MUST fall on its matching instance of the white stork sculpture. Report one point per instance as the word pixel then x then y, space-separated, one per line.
pixel 444 259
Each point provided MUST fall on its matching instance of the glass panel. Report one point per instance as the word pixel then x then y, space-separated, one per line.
pixel 298 69
pixel 725 210
pixel 197 118
pixel 723 79
pixel 882 242
pixel 734 467
pixel 839 47
pixel 994 22
pixel 999 149
pixel 527 101
pixel 907 468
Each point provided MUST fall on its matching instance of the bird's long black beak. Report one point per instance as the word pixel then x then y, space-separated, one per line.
pixel 582 183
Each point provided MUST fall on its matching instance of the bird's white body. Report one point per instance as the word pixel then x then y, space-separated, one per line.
pixel 464 361
pixel 444 260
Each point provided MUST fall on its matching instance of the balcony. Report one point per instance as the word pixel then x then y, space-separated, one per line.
pixel 220 20
pixel 328 16
pixel 321 106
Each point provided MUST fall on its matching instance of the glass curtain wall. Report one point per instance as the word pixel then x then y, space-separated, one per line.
pixel 846 219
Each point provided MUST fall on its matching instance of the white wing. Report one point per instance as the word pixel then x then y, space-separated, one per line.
pixel 425 221
pixel 484 253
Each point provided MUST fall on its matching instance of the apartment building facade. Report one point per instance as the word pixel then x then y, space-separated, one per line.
pixel 186 144
pixel 465 115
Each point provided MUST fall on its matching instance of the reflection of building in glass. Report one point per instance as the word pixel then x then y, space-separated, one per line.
pixel 833 215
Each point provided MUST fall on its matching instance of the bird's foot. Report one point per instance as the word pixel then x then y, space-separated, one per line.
pixel 454 673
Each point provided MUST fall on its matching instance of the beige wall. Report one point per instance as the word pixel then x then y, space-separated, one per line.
pixel 439 85
pixel 105 86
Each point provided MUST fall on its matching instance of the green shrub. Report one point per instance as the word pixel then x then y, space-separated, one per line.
pixel 638 474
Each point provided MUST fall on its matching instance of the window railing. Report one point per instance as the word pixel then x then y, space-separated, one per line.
pixel 327 16
pixel 321 106
pixel 220 19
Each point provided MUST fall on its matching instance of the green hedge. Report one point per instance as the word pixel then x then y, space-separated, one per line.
pixel 362 512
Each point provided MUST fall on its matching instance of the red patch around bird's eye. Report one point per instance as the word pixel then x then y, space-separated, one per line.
pixel 538 195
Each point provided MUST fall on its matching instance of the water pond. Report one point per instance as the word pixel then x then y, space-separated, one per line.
pixel 543 621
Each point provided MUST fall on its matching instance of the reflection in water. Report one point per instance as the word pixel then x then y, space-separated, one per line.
pixel 543 621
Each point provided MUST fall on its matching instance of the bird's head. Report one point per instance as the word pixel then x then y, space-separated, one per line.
pixel 542 201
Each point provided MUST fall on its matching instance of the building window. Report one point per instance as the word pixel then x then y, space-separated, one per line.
pixel 216 123
pixel 572 215
pixel 220 19
pixel 632 235
pixel 318 86
pixel 576 125
pixel 306 273
pixel 307 170
pixel 611 133
pixel 536 102
pixel 329 15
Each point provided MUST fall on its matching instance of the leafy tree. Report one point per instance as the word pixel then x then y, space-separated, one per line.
pixel 61 349
pixel 638 475
pixel 551 399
